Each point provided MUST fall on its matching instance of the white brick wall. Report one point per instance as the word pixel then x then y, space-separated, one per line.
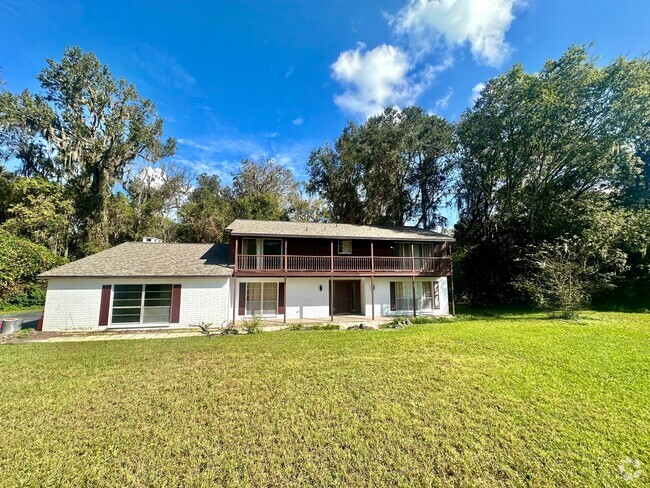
pixel 73 303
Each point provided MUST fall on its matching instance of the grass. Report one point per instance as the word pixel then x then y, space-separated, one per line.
pixel 511 400
pixel 19 308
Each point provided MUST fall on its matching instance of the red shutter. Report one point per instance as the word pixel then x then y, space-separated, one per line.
pixel 176 304
pixel 436 295
pixel 242 298
pixel 393 302
pixel 105 305
pixel 281 297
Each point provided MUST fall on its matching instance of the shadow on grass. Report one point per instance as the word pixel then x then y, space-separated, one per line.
pixel 466 312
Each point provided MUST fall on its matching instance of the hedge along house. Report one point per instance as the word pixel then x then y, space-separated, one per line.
pixel 278 270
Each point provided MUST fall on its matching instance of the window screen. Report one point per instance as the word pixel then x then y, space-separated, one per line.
pixel 261 298
pixel 146 304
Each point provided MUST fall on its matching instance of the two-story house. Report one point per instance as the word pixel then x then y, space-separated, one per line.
pixel 282 271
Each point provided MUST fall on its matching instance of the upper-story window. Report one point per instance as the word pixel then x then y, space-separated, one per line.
pixel 266 247
pixel 345 247
pixel 403 249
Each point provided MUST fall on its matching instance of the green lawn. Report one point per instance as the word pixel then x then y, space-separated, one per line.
pixel 516 400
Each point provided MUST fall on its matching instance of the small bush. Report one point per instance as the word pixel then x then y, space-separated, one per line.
pixel 31 295
pixel 296 326
pixel 230 329
pixel 253 325
pixel 205 328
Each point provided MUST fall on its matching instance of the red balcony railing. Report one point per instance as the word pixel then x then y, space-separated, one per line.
pixel 343 264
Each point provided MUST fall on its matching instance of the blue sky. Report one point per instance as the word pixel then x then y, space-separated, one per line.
pixel 268 78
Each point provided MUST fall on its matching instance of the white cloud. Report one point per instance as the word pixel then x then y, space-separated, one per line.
pixel 298 121
pixel 375 79
pixel 481 23
pixel 476 92
pixel 442 103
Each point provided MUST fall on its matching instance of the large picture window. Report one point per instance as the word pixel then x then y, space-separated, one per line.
pixel 261 298
pixel 141 304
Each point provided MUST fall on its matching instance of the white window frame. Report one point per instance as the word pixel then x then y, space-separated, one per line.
pixel 342 246
pixel 247 311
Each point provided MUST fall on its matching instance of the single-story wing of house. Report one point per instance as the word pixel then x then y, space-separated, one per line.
pixel 281 271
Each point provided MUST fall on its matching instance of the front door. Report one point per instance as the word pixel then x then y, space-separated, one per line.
pixel 347 296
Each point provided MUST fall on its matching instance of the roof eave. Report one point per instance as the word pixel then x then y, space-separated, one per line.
pixel 311 236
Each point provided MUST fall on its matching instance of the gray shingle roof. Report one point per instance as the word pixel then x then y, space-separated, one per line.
pixel 335 231
pixel 149 260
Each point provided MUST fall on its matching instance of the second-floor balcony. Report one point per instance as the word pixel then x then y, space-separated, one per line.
pixel 294 264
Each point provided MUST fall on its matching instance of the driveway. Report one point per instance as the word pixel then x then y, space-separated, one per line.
pixel 30 319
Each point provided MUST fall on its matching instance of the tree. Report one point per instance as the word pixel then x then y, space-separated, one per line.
pixel 394 169
pixel 207 211
pixel 538 152
pixel 155 195
pixel 20 262
pixel 86 128
pixel 41 211
pixel 266 191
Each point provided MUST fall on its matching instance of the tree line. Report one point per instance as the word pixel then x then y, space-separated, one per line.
pixel 549 171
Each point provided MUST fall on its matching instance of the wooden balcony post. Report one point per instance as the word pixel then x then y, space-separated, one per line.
pixel 415 307
pixel 236 252
pixel 284 291
pixel 372 277
pixel 332 280
pixel 451 276
pixel 412 257
pixel 285 257
pixel 234 299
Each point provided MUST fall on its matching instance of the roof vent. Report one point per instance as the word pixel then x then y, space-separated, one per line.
pixel 152 240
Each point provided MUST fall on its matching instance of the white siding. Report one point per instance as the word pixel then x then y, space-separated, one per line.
pixel 306 299
pixel 73 303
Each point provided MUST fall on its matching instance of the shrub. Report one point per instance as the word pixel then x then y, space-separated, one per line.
pixel 20 262
pixel 253 325
pixel 230 329
pixel 31 295
pixel 205 328
pixel 563 275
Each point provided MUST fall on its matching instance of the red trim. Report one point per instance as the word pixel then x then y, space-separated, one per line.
pixel 40 322
pixel 104 306
pixel 176 304
pixel 242 298
pixel 280 297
